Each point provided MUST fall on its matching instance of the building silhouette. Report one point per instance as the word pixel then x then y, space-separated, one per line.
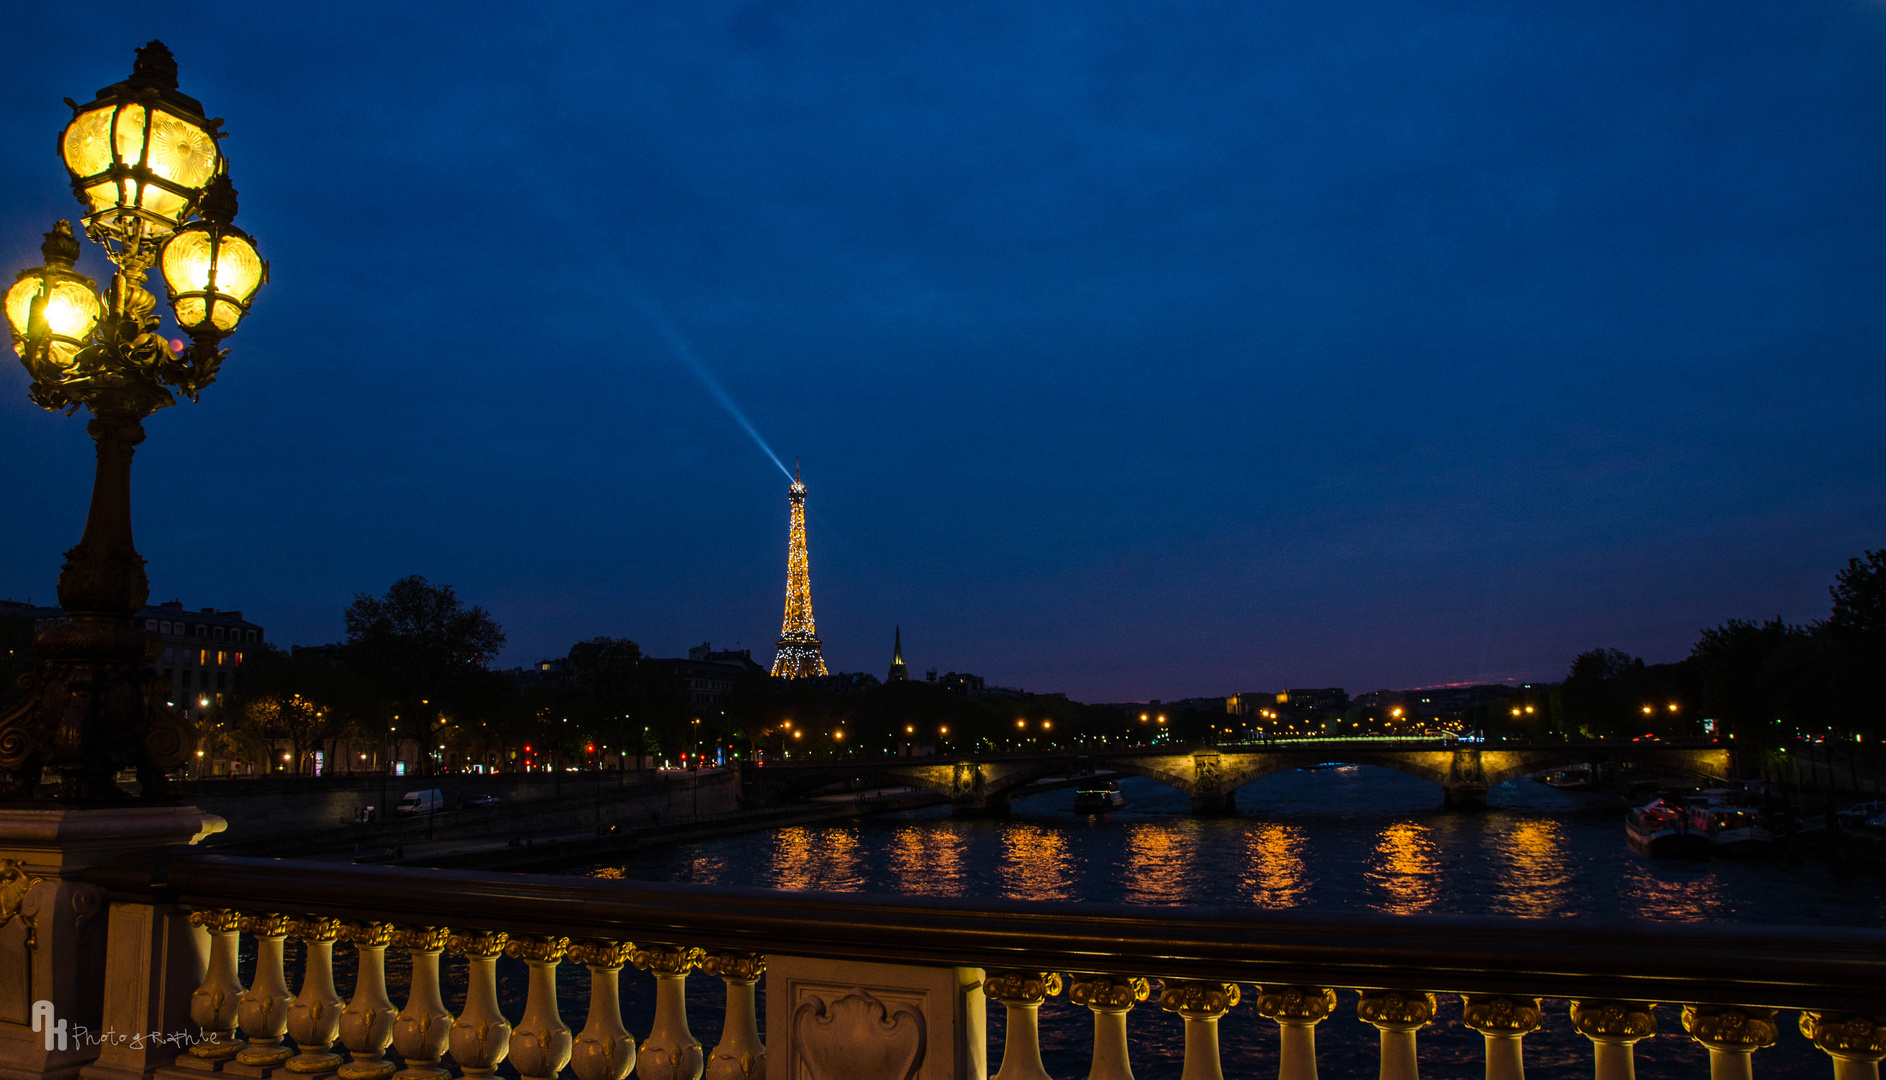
pixel 201 649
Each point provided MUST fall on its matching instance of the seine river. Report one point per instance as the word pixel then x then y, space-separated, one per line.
pixel 1349 839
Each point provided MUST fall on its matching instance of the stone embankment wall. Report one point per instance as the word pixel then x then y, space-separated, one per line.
pixel 1843 772
pixel 324 810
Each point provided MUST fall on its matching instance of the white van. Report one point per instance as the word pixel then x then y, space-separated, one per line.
pixel 421 802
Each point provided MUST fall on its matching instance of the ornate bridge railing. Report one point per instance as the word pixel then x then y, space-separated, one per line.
pixel 880 988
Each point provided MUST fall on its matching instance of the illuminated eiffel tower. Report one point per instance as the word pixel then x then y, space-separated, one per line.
pixel 798 655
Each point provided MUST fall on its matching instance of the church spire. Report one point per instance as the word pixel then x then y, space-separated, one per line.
pixel 898 672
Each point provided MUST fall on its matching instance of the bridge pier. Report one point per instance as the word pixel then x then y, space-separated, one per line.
pixel 1214 803
pixel 980 805
pixel 1466 785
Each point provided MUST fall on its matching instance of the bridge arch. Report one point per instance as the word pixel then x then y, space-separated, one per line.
pixel 1212 776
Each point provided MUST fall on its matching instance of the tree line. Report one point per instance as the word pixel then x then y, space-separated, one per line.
pixel 414 668
pixel 1765 682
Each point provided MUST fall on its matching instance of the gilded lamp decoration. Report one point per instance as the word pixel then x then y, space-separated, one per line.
pixel 148 170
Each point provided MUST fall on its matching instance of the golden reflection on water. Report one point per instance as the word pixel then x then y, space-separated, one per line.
pixel 1673 899
pixel 1275 875
pixel 927 860
pixel 1160 863
pixel 1534 869
pixel 1035 864
pixel 826 860
pixel 1403 869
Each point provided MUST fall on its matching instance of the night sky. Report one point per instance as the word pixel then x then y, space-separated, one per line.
pixel 1133 350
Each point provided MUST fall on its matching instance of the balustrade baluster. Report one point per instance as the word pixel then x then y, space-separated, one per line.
pixel 1397 1015
pixel 213 1005
pixel 605 1050
pixel 541 1043
pixel 1732 1036
pixel 1614 1027
pixel 1021 994
pixel 367 1021
pixel 1201 1004
pixel 740 1055
pixel 1855 1042
pixel 423 1028
pixel 263 1011
pixel 1110 999
pixel 480 1036
pixel 1297 1010
pixel 314 1017
pixel 671 1052
pixel 1503 1022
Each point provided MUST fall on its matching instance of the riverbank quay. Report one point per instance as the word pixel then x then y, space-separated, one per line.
pixel 901 986
pixel 287 806
pixel 598 800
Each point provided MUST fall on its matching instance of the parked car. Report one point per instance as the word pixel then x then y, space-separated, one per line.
pixel 421 802
pixel 486 799
pixel 1861 813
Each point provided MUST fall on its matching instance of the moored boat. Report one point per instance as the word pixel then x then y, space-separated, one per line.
pixel 1662 828
pixel 1098 798
pixel 1723 825
pixel 1576 778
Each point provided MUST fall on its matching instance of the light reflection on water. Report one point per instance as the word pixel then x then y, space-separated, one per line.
pixel 826 861
pixel 1675 896
pixel 1275 875
pixel 1160 861
pixel 1533 867
pixel 1353 839
pixel 1337 840
pixel 927 861
pixel 1403 870
pixel 1035 864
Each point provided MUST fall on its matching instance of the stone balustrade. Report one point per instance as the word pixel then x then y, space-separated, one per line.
pixel 879 988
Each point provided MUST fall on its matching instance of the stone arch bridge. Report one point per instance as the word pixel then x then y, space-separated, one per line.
pixel 1211 776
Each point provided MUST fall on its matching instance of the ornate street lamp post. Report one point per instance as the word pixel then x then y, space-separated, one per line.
pixel 145 163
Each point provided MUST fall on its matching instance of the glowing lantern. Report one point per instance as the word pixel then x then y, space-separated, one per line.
pixel 52 309
pixel 141 149
pixel 211 267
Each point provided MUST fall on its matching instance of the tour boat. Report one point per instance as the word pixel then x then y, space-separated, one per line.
pixel 1098 798
pixel 1722 824
pixel 1576 778
pixel 1662 828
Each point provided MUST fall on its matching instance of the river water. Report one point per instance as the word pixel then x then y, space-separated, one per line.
pixel 1348 839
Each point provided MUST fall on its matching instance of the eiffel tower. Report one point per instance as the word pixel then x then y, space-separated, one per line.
pixel 798 655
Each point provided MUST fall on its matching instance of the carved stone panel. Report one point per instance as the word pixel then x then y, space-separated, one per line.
pixel 858 1037
pixel 1207 777
pixel 833 1020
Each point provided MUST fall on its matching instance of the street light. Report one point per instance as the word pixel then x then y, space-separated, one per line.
pixel 145 163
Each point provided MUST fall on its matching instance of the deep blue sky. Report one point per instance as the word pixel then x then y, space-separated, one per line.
pixel 1134 350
